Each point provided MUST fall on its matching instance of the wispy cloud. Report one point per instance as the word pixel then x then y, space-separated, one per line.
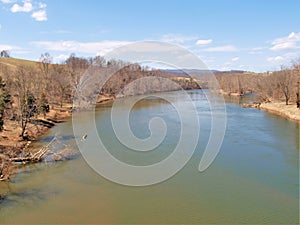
pixel 257 50
pixel 42 5
pixel 99 48
pixel 55 32
pixel 60 58
pixel 12 48
pixel 276 59
pixel 289 42
pixel 8 47
pixel 235 59
pixel 283 59
pixel 177 38
pixel 225 48
pixel 8 1
pixel 204 41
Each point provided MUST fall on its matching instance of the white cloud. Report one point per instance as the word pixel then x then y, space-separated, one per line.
pixel 42 5
pixel 99 48
pixel 8 1
pixel 8 47
pixel 27 7
pixel 289 42
pixel 207 59
pixel 204 42
pixel 60 58
pixel 12 49
pixel 39 9
pixel 235 59
pixel 258 48
pixel 276 59
pixel 225 48
pixel 177 38
pixel 285 58
pixel 40 15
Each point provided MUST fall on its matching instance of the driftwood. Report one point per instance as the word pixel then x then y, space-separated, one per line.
pixel 38 156
pixel 45 152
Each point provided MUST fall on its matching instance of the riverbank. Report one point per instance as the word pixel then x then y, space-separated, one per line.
pixel 12 145
pixel 290 112
pixel 281 109
pixel 10 136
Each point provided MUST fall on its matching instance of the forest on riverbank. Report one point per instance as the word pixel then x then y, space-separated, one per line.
pixel 278 86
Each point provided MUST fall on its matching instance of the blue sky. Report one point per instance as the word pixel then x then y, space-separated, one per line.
pixel 255 35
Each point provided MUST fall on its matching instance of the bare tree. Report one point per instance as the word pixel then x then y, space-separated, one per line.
pixel 45 69
pixel 76 67
pixel 45 61
pixel 26 101
pixel 296 70
pixel 98 61
pixel 62 83
pixel 284 80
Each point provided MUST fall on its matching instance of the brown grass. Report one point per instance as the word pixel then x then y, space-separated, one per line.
pixel 288 111
pixel 10 136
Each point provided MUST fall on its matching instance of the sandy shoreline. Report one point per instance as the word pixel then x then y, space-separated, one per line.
pixel 281 109
pixel 10 136
pixel 12 145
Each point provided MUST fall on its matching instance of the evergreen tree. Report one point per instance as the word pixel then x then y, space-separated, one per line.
pixel 43 106
pixel 5 100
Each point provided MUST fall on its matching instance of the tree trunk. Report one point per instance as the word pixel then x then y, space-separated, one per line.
pixel 61 100
pixel 298 95
pixel 23 125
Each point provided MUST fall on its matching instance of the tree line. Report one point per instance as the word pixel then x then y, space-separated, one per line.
pixel 277 86
pixel 27 91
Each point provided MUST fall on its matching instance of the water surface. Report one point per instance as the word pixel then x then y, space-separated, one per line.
pixel 254 179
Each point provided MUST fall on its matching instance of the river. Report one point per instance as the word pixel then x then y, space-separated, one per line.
pixel 253 180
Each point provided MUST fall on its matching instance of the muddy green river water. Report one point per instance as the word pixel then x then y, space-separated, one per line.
pixel 253 180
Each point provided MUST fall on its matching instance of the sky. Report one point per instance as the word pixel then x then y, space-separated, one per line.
pixel 251 35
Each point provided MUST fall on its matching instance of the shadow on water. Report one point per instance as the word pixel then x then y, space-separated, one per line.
pixel 248 98
pixel 14 197
pixel 47 139
pixel 25 188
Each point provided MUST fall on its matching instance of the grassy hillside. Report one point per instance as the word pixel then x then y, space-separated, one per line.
pixel 13 63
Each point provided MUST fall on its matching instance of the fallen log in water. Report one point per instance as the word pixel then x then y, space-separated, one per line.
pixel 251 105
pixel 40 155
pixel 24 160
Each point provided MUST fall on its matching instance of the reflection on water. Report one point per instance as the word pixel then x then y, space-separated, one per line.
pixel 254 180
